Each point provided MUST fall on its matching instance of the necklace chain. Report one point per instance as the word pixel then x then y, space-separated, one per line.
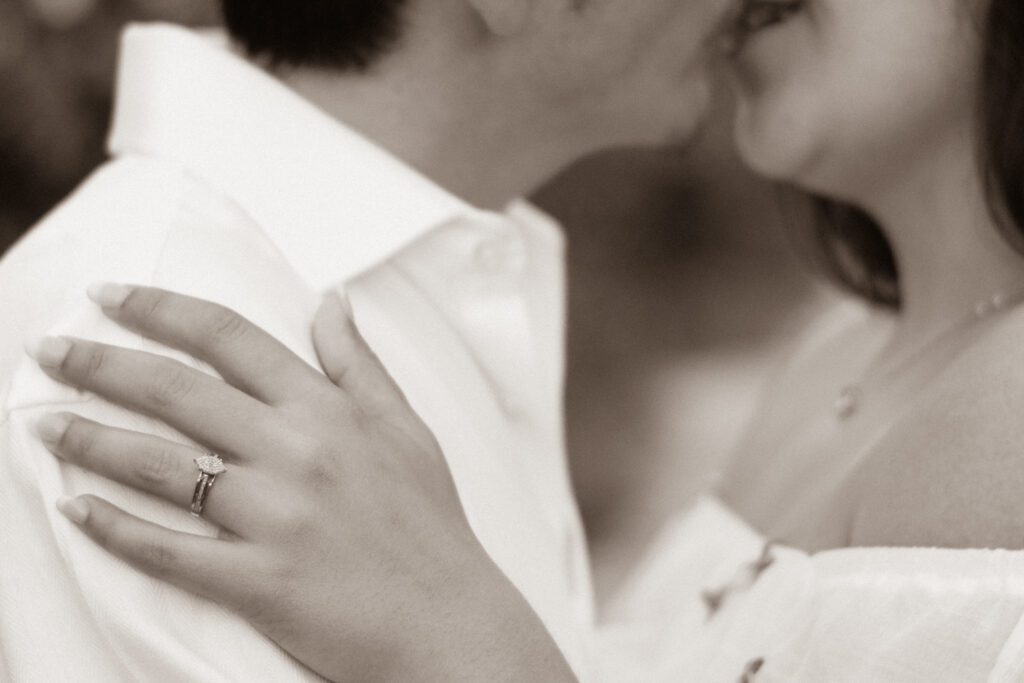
pixel 851 395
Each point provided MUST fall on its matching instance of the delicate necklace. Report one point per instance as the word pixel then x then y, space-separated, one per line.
pixel 850 397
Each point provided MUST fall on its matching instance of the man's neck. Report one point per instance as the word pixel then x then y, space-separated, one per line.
pixel 470 140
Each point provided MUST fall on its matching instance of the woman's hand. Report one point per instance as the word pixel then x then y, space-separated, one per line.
pixel 343 537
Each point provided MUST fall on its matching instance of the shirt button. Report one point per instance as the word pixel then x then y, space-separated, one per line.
pixel 750 672
pixel 502 255
pixel 489 256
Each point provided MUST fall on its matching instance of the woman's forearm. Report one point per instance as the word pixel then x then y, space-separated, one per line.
pixel 485 631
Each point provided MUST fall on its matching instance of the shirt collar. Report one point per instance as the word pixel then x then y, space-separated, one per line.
pixel 334 203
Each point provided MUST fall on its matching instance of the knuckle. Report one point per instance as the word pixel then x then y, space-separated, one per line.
pixel 316 466
pixel 225 326
pixel 144 304
pixel 303 447
pixel 157 467
pixel 101 525
pixel 87 360
pixel 156 555
pixel 100 532
pixel 267 585
pixel 293 521
pixel 79 440
pixel 170 386
pixel 253 606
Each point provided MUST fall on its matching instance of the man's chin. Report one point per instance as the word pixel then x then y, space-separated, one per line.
pixel 680 138
pixel 687 125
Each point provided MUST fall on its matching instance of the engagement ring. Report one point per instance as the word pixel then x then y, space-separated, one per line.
pixel 209 467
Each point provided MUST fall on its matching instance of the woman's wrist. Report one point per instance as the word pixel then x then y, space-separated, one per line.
pixel 485 630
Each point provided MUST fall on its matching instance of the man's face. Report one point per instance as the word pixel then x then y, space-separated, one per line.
pixel 635 71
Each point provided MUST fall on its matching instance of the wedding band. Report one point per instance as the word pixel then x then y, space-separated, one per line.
pixel 210 466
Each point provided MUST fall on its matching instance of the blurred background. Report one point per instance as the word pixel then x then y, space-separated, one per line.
pixel 684 289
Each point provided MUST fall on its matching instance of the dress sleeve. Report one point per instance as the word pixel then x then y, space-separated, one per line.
pixel 709 605
pixel 908 614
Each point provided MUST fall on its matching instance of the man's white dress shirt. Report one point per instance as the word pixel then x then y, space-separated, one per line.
pixel 226 185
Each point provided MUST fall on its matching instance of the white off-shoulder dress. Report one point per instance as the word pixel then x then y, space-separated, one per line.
pixel 713 602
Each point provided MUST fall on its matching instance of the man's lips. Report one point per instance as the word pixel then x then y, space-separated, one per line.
pixel 758 15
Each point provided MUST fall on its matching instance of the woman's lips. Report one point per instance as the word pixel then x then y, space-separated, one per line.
pixel 757 16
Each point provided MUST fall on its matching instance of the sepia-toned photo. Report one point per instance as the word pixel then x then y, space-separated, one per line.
pixel 582 341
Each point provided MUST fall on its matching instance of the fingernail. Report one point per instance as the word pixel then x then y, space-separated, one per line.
pixel 51 428
pixel 49 351
pixel 74 509
pixel 108 294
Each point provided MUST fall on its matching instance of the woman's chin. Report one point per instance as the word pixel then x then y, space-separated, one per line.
pixel 774 161
pixel 779 148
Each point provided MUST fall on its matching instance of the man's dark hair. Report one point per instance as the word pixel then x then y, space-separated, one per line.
pixel 333 34
pixel 852 248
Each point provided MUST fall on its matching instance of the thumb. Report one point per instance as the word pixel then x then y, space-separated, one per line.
pixel 348 361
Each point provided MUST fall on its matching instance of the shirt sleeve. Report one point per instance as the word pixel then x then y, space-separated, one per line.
pixel 69 611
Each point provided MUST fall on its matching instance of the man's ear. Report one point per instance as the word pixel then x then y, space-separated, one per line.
pixel 503 17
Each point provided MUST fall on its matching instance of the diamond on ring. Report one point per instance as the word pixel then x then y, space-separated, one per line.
pixel 211 464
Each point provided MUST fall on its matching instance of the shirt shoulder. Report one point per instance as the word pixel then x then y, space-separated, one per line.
pixel 135 220
pixel 112 227
pixel 141 221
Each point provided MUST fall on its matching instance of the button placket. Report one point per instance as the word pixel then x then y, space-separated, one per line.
pixel 751 671
pixel 746 576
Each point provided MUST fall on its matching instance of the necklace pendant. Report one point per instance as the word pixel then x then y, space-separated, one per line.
pixel 848 402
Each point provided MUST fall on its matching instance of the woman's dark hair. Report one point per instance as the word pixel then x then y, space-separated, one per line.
pixel 850 246
pixel 334 34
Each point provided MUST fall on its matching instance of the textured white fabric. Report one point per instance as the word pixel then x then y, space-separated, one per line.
pixel 227 186
pixel 864 615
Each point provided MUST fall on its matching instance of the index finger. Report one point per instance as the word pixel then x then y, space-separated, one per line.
pixel 245 355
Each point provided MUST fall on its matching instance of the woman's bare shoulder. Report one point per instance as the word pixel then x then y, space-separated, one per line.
pixel 823 354
pixel 952 473
pixel 827 335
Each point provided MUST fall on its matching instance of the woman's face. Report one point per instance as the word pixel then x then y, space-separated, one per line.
pixel 840 95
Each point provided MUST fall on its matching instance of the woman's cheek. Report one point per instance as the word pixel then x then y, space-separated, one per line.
pixel 782 89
